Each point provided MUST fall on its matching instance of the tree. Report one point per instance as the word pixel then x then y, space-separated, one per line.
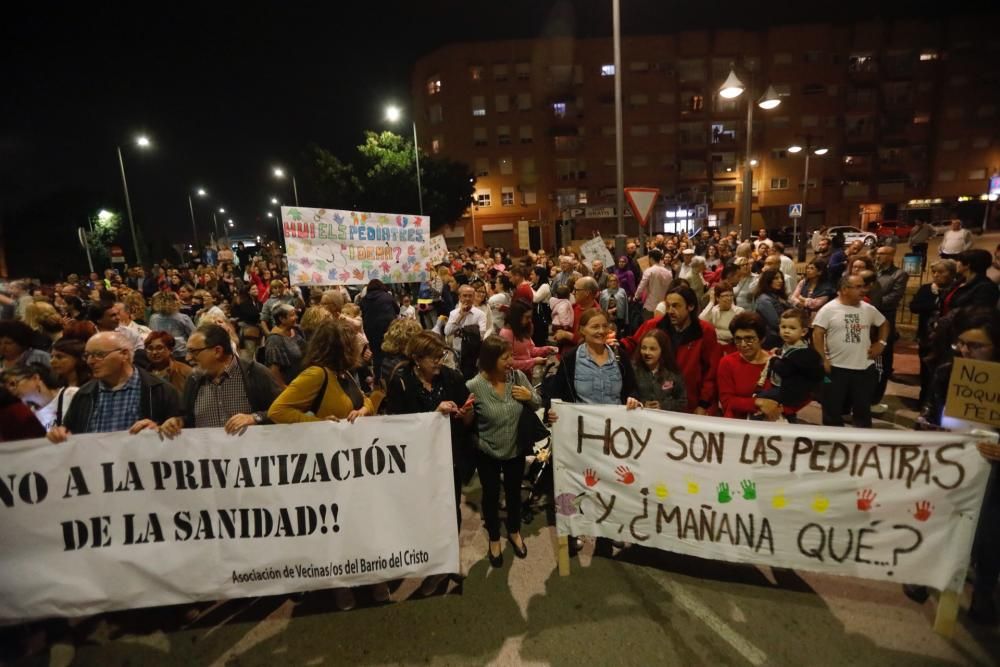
pixel 104 229
pixel 382 177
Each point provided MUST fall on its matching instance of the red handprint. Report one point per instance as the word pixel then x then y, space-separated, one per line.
pixel 590 477
pixel 865 499
pixel 625 475
pixel 924 509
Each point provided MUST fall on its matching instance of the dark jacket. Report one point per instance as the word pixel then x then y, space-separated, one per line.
pixel 258 380
pixel 801 376
pixel 157 401
pixel 378 309
pixel 561 384
pixel 927 306
pixel 980 291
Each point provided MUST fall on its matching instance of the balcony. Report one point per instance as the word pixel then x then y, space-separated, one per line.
pixel 856 190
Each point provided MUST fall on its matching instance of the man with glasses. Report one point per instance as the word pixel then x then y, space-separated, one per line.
pixel 224 391
pixel 842 336
pixel 458 329
pixel 120 397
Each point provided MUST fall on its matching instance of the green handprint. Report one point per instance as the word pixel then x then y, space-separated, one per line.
pixel 724 495
pixel 749 489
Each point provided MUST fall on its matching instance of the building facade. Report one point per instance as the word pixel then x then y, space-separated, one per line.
pixel 908 110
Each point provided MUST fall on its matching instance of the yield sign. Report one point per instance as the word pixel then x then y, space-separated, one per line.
pixel 642 201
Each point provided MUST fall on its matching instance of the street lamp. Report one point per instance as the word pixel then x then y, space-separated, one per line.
pixel 280 173
pixel 194 226
pixel 732 88
pixel 274 200
pixel 142 142
pixel 808 149
pixel 393 114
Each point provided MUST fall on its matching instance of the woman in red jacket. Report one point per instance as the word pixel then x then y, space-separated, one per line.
pixel 695 346
pixel 740 372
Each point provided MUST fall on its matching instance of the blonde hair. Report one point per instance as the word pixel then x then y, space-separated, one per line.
pixel 313 317
pixel 399 332
pixel 350 310
pixel 166 303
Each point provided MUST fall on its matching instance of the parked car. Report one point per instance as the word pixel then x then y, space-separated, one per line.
pixel 898 228
pixel 852 234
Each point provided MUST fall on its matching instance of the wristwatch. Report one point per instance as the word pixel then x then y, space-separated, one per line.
pixel 258 418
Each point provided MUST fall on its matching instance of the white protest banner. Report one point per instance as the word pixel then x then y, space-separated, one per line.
pixel 595 248
pixel 892 505
pixel 331 247
pixel 438 249
pixel 113 521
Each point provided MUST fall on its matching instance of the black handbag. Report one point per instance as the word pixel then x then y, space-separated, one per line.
pixel 530 430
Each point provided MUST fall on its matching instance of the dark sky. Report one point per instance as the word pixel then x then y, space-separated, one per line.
pixel 225 90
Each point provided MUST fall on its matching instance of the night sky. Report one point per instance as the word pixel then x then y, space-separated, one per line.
pixel 226 90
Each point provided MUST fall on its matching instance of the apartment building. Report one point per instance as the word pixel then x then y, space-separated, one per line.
pixel 909 112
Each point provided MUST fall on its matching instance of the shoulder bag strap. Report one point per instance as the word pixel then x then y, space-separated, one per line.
pixel 318 400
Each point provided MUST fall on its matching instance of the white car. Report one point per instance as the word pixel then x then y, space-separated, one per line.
pixel 852 234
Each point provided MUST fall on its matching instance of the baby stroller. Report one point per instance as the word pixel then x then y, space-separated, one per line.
pixel 538 480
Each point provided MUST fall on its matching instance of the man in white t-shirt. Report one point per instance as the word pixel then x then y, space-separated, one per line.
pixel 955 240
pixel 464 315
pixel 842 335
pixel 762 240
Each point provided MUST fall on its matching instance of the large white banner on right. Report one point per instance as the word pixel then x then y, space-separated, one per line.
pixel 876 504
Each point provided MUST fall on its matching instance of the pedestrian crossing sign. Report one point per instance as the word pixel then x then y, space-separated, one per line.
pixel 795 210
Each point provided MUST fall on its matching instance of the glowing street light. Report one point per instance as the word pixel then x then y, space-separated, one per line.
pixel 222 210
pixel 392 114
pixel 194 226
pixel 104 215
pixel 821 151
pixel 274 200
pixel 201 192
pixel 795 148
pixel 770 99
pixel 732 87
pixel 280 173
pixel 141 141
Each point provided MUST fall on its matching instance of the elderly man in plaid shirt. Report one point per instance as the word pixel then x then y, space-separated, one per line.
pixel 224 391
pixel 120 397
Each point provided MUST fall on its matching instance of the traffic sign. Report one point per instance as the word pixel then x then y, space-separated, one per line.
pixel 642 201
pixel 795 210
pixel 701 211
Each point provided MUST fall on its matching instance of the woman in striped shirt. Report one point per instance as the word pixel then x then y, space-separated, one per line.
pixel 501 392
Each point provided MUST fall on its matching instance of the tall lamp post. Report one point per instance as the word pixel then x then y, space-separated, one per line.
pixel 216 222
pixel 280 173
pixel 194 226
pixel 809 150
pixel 731 89
pixel 393 114
pixel 142 142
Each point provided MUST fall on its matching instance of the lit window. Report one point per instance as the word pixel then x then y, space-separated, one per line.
pixel 921 118
pixel 928 55
pixel 476 72
pixel 434 85
pixel 607 70
pixel 779 183
pixel 581 197
pixel 507 196
pixel 559 109
pixel 483 198
pixel 478 105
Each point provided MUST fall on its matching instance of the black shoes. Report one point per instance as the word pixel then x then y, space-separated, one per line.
pixel 495 561
pixel 918 594
pixel 522 552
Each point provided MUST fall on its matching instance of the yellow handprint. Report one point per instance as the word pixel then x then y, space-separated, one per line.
pixel 692 487
pixel 779 501
pixel 820 503
pixel 661 491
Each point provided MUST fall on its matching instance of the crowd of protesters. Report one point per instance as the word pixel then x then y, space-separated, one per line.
pixel 710 325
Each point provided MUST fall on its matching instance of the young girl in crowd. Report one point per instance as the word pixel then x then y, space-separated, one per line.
pixel 562 309
pixel 660 384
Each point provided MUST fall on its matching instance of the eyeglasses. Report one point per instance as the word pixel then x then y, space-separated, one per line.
pixel 745 340
pixel 194 351
pixel 971 346
pixel 100 354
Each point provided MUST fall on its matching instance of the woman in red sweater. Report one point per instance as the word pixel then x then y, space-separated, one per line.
pixel 740 372
pixel 518 331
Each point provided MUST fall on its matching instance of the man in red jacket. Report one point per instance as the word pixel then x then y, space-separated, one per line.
pixel 695 348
